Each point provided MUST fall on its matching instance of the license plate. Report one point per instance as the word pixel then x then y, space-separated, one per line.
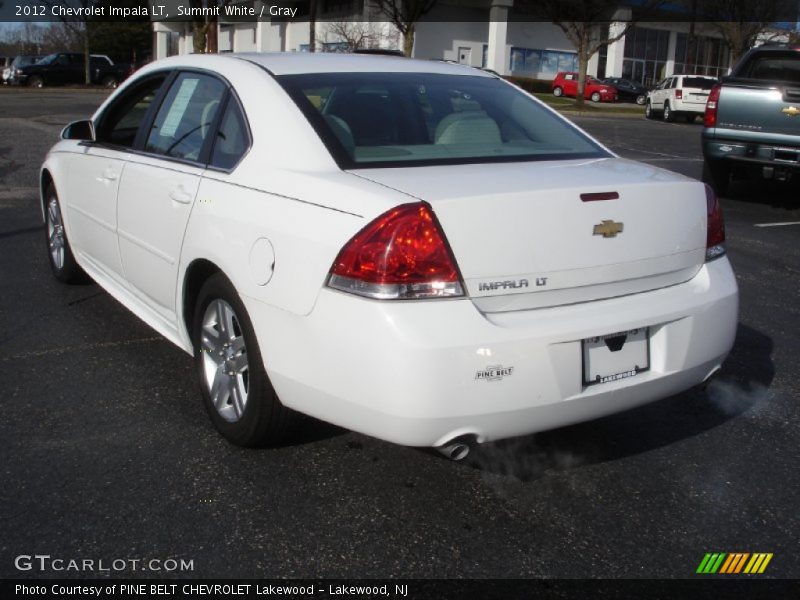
pixel 615 356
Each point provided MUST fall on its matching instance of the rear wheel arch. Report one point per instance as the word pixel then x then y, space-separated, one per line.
pixel 197 273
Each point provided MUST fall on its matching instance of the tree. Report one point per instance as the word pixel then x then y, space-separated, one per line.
pixel 78 25
pixel 741 23
pixel 582 21
pixel 404 15
pixel 204 25
pixel 312 26
pixel 354 34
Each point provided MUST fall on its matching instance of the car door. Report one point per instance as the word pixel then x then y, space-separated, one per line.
pixel 570 85
pixel 57 72
pixel 160 183
pixel 94 173
pixel 659 94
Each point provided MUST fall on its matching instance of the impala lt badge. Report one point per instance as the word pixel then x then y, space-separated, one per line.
pixel 608 229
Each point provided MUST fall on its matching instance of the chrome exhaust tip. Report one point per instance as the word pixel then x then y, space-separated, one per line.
pixel 713 374
pixel 456 449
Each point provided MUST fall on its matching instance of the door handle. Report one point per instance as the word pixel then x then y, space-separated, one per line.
pixel 180 195
pixel 110 174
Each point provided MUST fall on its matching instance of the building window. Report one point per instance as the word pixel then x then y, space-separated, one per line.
pixel 700 55
pixel 535 63
pixel 335 47
pixel 645 55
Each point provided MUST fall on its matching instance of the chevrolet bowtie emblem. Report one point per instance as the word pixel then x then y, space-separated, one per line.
pixel 791 111
pixel 608 229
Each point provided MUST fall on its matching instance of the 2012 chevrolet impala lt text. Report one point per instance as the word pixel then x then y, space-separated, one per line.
pixel 414 250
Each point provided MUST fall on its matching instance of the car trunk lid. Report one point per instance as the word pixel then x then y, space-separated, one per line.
pixel 530 235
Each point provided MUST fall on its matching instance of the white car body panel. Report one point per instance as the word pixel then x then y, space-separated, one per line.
pixel 405 371
pixel 153 207
pixel 536 227
pixel 90 190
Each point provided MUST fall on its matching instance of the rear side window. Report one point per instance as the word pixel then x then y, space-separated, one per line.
pixel 185 118
pixel 700 83
pixel 233 138
pixel 404 119
pixel 780 67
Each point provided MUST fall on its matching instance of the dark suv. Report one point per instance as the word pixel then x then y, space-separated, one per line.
pixel 65 68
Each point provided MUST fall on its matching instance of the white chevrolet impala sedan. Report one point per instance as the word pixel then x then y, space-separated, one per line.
pixel 414 250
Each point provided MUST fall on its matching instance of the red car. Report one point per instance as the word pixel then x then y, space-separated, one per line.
pixel 566 84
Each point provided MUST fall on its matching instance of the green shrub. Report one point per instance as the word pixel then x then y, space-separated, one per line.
pixel 531 85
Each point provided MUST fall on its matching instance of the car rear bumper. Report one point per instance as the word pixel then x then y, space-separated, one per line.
pixel 407 372
pixel 694 108
pixel 753 152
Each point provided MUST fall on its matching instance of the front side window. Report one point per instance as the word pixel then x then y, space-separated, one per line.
pixel 120 122
pixel 185 118
pixel 399 119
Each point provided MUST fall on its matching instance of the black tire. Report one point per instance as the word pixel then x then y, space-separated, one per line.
pixel 261 419
pixel 59 253
pixel 558 92
pixel 648 111
pixel 717 175
pixel 109 82
pixel 36 82
pixel 668 114
pixel 640 99
pixel 595 97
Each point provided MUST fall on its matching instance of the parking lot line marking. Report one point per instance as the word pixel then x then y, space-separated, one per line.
pixel 776 224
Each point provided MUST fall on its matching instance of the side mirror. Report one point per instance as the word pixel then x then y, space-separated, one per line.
pixel 79 130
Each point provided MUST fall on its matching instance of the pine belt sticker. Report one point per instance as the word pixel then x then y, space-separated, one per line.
pixel 495 373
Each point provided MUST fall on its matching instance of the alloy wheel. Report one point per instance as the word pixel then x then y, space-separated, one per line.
pixel 225 362
pixel 55 234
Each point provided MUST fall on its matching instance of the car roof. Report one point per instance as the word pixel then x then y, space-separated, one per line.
pixel 289 63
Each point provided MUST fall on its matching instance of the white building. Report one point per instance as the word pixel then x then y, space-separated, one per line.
pixel 474 32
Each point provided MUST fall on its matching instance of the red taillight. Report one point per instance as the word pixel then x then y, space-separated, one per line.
pixel 678 94
pixel 710 118
pixel 715 229
pixel 400 255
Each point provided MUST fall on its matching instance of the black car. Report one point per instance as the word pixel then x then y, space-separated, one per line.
pixel 63 68
pixel 628 91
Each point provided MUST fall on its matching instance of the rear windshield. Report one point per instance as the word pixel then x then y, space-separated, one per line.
pixel 414 119
pixel 698 83
pixel 782 67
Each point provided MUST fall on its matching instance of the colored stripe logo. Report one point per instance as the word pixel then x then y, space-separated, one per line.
pixel 734 563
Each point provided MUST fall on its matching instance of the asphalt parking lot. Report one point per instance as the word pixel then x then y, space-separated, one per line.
pixel 107 453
